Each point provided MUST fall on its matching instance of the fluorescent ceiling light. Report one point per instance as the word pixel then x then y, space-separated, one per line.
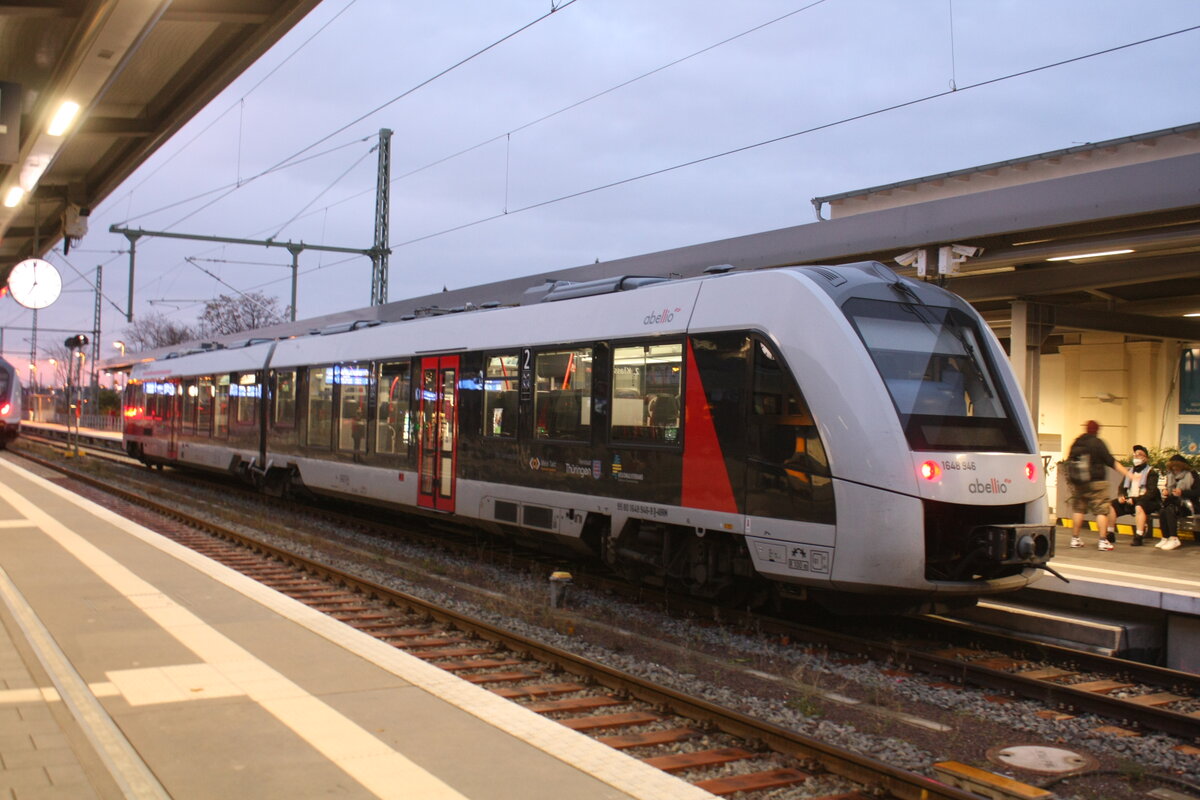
pixel 1078 256
pixel 13 196
pixel 63 118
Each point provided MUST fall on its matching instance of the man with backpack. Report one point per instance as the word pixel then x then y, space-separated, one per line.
pixel 1090 491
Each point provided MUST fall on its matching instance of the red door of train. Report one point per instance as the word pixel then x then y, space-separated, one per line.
pixel 438 444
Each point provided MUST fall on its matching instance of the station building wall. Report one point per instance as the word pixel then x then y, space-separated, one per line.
pixel 1131 387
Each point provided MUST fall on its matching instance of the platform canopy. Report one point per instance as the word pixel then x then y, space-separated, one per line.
pixel 137 69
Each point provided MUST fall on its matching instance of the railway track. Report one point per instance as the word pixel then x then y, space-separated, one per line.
pixel 663 727
pixel 1132 695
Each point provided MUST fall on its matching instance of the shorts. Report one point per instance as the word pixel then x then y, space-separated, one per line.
pixel 1129 506
pixel 1091 498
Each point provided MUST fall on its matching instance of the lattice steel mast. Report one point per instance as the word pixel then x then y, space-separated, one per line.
pixel 380 252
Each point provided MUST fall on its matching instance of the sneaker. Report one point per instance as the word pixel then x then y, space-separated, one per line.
pixel 1105 544
pixel 1076 541
pixel 1172 543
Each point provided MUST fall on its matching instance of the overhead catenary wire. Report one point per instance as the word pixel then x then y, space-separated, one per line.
pixel 240 102
pixel 773 140
pixel 507 135
pixel 295 159
pixel 553 9
pixel 322 193
pixel 227 187
pixel 795 134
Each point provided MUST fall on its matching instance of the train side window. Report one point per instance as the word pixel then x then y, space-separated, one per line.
pixel 187 416
pixel 647 396
pixel 149 399
pixel 284 414
pixel 221 407
pixel 204 406
pixel 245 393
pixel 168 390
pixel 562 403
pixel 134 402
pixel 320 407
pixel 353 382
pixel 154 398
pixel 500 396
pixel 393 432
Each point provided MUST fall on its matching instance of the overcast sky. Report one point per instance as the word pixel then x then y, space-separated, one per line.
pixel 829 61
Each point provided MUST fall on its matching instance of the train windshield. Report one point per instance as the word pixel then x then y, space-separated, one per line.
pixel 939 376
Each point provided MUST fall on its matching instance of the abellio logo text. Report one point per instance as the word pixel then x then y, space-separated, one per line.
pixel 659 317
pixel 991 486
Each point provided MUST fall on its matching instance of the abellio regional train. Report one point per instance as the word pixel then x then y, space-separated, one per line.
pixel 833 432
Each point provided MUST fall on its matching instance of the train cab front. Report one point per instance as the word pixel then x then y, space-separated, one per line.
pixel 980 485
pixel 977 512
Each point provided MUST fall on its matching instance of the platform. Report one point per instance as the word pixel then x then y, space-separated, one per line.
pixel 85 436
pixel 133 667
pixel 1136 602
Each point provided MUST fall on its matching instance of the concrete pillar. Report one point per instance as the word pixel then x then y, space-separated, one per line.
pixel 1145 400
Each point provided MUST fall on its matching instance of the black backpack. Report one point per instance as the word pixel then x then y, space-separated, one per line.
pixel 1079 463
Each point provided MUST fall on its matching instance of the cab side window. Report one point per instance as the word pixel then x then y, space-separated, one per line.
pixel 787 471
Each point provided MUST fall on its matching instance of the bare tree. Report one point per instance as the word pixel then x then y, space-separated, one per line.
pixel 61 356
pixel 157 330
pixel 227 315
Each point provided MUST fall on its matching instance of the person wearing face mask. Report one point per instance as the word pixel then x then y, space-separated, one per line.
pixel 1138 494
pixel 1182 485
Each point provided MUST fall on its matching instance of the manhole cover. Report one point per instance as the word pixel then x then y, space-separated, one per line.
pixel 1041 759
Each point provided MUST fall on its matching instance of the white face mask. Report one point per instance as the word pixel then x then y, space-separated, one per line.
pixel 1138 461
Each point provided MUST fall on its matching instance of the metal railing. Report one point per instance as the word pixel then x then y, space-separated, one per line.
pixel 100 422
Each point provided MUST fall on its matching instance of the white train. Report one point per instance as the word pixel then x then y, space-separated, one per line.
pixel 835 432
pixel 10 403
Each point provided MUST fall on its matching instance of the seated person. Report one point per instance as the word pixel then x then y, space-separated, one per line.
pixel 1138 494
pixel 663 411
pixel 1182 484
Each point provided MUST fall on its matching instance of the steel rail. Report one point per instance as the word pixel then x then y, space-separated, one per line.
pixel 1052 694
pixel 844 763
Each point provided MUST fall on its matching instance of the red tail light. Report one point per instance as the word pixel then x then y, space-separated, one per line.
pixel 931 471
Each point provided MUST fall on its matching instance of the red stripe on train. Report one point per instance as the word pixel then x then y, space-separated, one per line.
pixel 705 479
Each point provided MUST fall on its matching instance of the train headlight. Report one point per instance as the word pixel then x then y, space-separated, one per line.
pixel 931 471
pixel 1031 471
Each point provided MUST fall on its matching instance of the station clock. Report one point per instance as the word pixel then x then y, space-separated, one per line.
pixel 34 283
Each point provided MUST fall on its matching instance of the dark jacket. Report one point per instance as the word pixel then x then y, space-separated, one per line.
pixel 1087 459
pixel 1151 495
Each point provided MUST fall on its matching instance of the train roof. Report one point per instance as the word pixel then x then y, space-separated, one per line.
pixel 558 311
